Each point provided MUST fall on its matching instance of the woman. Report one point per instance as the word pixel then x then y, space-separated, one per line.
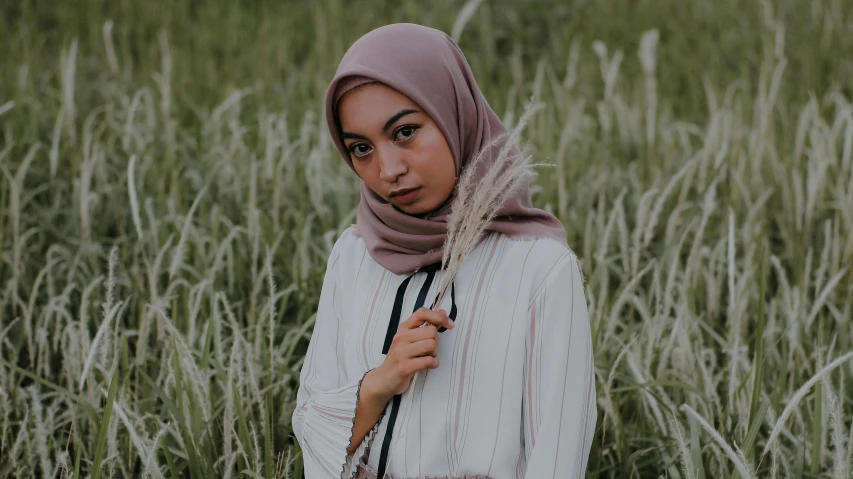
pixel 507 388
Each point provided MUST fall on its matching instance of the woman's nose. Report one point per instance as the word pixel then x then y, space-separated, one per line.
pixel 391 165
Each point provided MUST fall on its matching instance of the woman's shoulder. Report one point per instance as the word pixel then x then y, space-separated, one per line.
pixel 348 238
pixel 542 252
pixel 545 258
pixel 345 246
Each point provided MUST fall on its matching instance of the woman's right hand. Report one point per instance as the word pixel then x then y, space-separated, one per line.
pixel 412 349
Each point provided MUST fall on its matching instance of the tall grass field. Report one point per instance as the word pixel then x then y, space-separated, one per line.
pixel 169 196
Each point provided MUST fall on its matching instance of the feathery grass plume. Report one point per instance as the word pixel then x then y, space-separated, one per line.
pixel 610 411
pixel 648 59
pixel 62 464
pixel 257 451
pixel 109 46
pixel 268 404
pixel 824 295
pixel 198 384
pixel 798 396
pixel 836 427
pixel 232 382
pixel 463 17
pixel 134 202
pixel 737 459
pixel 230 461
pixel 6 107
pixel 144 452
pixel 5 406
pixel 735 330
pixel 683 451
pixel 151 467
pixel 23 432
pixel 68 69
pixel 271 304
pixel 178 254
pixel 110 311
pixel 474 208
pixel 13 210
pixel 40 432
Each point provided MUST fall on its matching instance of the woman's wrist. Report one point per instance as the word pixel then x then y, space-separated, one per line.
pixel 371 388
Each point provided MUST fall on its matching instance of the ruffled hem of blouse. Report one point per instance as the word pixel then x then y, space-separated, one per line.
pixel 359 455
pixel 366 472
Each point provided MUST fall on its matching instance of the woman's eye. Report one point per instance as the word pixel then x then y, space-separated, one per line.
pixel 406 132
pixel 359 150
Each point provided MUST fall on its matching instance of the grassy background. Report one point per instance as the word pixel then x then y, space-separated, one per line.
pixel 169 197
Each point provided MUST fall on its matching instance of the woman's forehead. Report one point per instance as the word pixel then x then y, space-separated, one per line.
pixel 374 106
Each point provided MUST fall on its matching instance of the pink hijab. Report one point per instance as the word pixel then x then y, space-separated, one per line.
pixel 427 66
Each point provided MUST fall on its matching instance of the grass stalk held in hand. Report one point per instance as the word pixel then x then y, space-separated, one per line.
pixel 474 208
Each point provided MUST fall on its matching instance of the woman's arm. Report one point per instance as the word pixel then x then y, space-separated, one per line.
pixel 324 420
pixel 371 404
pixel 558 405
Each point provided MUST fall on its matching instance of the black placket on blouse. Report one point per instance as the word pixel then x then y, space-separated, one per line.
pixel 393 323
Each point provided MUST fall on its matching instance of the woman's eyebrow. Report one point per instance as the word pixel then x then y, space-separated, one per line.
pixel 397 116
pixel 400 114
pixel 351 136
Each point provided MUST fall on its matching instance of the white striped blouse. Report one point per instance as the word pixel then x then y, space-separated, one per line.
pixel 514 393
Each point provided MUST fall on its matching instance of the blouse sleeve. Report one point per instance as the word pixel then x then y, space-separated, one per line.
pixel 558 398
pixel 327 399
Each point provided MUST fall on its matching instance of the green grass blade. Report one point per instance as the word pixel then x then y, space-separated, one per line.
pixel 185 429
pixel 243 426
pixel 758 365
pixel 170 462
pixel 755 426
pixel 268 434
pixel 105 425
pixel 77 455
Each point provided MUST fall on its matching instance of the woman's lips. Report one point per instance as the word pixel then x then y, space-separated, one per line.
pixel 407 198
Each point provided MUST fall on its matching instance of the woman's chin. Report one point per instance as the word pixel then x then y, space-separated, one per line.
pixel 410 210
pixel 421 207
pixel 414 209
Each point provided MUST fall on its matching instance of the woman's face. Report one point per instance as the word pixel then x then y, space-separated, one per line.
pixel 396 147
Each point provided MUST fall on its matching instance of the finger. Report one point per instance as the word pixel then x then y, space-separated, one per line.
pixel 406 336
pixel 424 362
pixel 421 316
pixel 424 347
pixel 448 323
pixel 438 318
pixel 426 332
